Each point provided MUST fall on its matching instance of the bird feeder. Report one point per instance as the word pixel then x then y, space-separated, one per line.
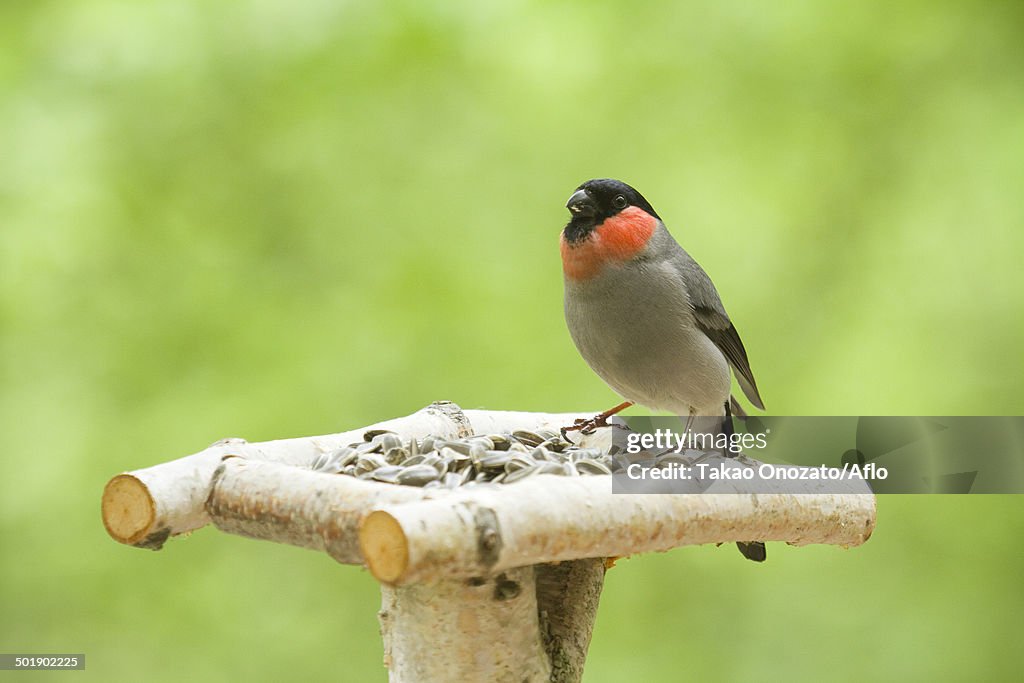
pixel 478 583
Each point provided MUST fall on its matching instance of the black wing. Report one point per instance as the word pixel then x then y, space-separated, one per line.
pixel 723 333
pixel 713 321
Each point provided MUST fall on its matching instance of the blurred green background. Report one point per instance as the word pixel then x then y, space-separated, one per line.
pixel 263 219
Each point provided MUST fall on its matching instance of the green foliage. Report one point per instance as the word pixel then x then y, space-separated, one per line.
pixel 269 219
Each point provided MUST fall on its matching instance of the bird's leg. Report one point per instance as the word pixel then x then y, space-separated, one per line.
pixel 727 427
pixel 689 422
pixel 600 420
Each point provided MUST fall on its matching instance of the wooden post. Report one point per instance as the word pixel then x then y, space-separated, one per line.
pixel 482 629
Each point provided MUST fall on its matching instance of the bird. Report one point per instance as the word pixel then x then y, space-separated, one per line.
pixel 645 316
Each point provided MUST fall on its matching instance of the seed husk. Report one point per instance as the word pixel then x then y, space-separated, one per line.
pixel 550 468
pixel 388 475
pixel 417 475
pixel 495 460
pixel 413 460
pixel 396 454
pixel 500 442
pixel 370 461
pixel 540 454
pixel 517 475
pixel 390 440
pixel 591 466
pixel 519 463
pixel 528 438
pixel 458 446
pixel 479 460
pixel 484 441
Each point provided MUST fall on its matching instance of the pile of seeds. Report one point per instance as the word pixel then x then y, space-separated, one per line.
pixel 435 462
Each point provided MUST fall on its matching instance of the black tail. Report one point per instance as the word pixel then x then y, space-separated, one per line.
pixel 754 550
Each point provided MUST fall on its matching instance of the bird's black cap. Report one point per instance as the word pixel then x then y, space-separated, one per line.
pixel 597 200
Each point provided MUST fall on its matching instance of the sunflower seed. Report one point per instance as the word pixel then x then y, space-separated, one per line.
pixel 540 454
pixel 518 463
pixel 396 455
pixel 484 441
pixel 495 460
pixel 528 438
pixel 479 460
pixel 336 460
pixel 590 466
pixel 555 444
pixel 458 446
pixel 451 454
pixel 387 474
pixel 523 473
pixel 370 461
pixel 550 468
pixel 417 475
pixel 389 441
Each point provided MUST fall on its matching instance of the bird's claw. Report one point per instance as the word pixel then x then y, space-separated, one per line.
pixel 586 427
pixel 589 426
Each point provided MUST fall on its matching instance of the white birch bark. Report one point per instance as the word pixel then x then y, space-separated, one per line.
pixel 145 507
pixel 548 518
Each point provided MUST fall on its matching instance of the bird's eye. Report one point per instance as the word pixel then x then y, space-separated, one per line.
pixel 619 202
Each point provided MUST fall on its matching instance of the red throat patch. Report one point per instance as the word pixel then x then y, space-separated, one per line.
pixel 618 239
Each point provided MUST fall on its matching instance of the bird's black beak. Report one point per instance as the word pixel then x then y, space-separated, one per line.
pixel 581 204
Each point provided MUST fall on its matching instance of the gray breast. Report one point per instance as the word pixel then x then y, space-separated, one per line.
pixel 634 326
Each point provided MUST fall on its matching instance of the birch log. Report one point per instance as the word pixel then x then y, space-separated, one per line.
pixel 145 507
pixel 477 630
pixel 548 518
pixel 315 510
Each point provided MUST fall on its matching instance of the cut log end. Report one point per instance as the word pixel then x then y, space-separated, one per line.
pixel 128 509
pixel 384 546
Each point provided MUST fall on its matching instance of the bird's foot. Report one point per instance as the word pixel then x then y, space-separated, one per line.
pixel 589 425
